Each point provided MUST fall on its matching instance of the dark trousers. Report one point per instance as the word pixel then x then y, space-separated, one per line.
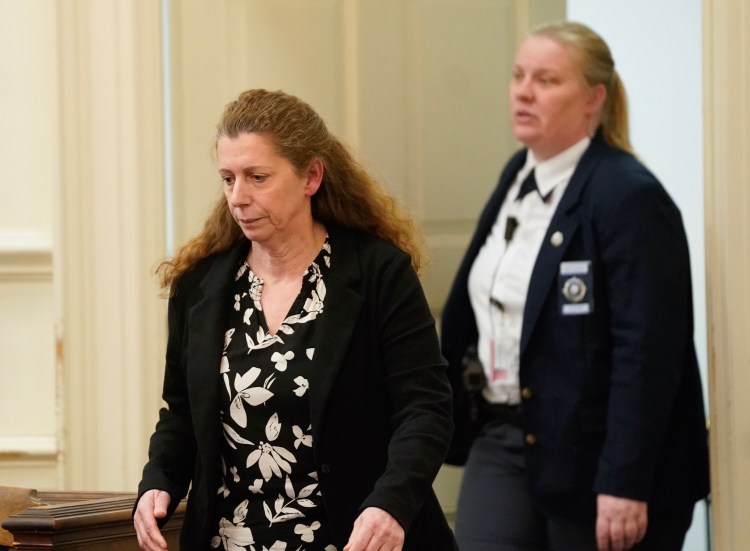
pixel 496 512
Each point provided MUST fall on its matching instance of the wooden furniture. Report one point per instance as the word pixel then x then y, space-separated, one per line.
pixel 12 501
pixel 80 521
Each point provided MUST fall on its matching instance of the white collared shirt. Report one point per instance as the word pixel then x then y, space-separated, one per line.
pixel 499 277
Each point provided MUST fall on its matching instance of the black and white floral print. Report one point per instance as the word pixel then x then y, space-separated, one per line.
pixel 269 499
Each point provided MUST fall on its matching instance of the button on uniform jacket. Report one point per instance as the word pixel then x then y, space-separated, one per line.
pixel 380 401
pixel 612 399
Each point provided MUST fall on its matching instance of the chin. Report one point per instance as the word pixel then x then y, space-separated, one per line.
pixel 251 235
pixel 525 137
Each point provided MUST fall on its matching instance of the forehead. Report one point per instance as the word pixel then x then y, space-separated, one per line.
pixel 245 143
pixel 542 52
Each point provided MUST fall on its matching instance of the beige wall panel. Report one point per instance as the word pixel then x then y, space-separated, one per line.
pixel 542 11
pixel 27 359
pixel 464 138
pixel 378 92
pixel 29 473
pixel 29 143
pixel 297 47
pixel 29 169
pixel 28 409
pixel 29 461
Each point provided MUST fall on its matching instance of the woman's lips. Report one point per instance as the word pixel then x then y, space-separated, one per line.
pixel 247 221
pixel 523 116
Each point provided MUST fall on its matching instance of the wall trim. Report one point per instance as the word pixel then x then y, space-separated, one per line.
pixel 28 447
pixel 25 256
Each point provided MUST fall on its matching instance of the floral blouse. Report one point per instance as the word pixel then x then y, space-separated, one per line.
pixel 269 499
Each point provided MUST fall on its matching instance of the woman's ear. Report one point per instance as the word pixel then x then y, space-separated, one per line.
pixel 314 175
pixel 597 97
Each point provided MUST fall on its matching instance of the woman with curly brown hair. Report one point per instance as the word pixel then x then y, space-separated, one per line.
pixel 307 401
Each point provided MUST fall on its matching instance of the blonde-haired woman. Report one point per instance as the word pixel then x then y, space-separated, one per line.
pixel 307 401
pixel 569 328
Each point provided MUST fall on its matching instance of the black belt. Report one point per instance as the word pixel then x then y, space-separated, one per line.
pixel 506 413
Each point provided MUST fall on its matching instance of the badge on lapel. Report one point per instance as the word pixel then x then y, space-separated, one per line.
pixel 576 288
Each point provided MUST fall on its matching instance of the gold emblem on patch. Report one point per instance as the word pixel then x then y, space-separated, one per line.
pixel 574 289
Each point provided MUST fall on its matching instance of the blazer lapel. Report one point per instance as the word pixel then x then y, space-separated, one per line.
pixel 206 327
pixel 336 325
pixel 565 223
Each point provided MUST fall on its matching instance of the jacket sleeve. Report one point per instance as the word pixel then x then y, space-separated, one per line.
pixel 418 390
pixel 644 255
pixel 172 448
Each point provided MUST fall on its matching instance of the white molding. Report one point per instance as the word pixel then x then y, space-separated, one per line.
pixel 25 241
pixel 27 447
pixel 25 256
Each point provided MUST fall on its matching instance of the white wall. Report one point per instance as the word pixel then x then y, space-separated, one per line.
pixel 657 47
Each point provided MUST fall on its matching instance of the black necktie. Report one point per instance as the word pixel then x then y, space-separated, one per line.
pixel 527 186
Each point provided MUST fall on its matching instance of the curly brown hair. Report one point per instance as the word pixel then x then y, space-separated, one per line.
pixel 348 196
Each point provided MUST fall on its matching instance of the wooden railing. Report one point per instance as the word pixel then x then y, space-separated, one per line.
pixel 73 521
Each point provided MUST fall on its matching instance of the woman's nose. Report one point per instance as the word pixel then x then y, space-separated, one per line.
pixel 521 88
pixel 239 194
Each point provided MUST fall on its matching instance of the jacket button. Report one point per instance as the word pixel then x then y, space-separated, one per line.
pixel 530 439
pixel 526 393
pixel 325 468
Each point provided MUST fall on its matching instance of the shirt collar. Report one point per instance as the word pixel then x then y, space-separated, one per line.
pixel 556 169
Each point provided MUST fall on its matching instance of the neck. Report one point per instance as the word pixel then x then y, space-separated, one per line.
pixel 289 259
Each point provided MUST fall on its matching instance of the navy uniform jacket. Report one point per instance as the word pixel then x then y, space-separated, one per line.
pixel 380 402
pixel 612 400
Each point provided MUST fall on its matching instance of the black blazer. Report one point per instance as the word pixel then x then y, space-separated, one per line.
pixel 380 401
pixel 612 398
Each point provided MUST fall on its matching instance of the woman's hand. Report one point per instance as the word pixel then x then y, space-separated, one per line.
pixel 375 530
pixel 152 505
pixel 620 522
